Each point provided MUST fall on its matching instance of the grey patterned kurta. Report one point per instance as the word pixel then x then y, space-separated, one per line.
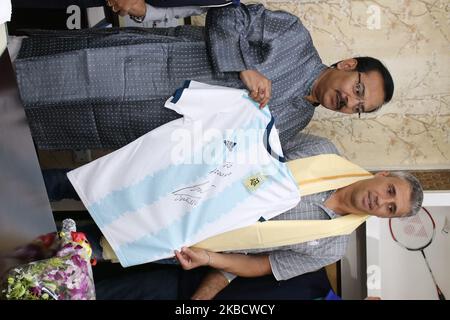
pixel 293 260
pixel 105 88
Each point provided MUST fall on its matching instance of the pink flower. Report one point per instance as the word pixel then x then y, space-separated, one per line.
pixel 78 261
pixel 35 291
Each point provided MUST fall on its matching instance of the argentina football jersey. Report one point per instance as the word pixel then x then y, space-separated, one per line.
pixel 218 168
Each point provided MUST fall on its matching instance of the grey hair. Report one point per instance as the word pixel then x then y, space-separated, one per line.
pixel 416 190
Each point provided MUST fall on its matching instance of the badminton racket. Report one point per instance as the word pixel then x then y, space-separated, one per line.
pixel 416 233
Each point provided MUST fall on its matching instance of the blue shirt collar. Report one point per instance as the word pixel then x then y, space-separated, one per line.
pixel 328 211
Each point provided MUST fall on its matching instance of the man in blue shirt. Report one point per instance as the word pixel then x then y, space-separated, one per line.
pixel 108 87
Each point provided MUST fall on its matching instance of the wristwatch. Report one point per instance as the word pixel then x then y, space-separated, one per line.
pixel 137 19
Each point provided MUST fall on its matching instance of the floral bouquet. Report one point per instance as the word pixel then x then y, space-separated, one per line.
pixel 66 275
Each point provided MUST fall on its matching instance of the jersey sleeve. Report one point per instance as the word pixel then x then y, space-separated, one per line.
pixel 195 100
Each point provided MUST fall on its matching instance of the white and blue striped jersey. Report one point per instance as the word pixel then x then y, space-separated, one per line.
pixel 220 167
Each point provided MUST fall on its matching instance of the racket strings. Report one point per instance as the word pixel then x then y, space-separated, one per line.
pixel 414 232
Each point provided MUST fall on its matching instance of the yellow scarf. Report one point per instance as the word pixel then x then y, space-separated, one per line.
pixel 313 174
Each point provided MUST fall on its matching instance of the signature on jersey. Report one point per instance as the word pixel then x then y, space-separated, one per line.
pixel 192 195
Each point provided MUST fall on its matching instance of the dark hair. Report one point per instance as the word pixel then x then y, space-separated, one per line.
pixel 366 64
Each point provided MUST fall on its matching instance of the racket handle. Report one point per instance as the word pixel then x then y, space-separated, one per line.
pixel 440 294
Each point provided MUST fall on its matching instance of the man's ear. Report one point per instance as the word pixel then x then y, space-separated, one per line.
pixel 382 174
pixel 347 64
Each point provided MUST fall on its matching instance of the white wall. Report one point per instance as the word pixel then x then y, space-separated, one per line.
pixel 436 199
pixel 395 273
pixel 2 38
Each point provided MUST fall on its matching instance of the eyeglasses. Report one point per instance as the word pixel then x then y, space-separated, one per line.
pixel 359 91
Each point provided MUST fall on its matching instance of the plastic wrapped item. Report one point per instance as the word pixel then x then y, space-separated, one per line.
pixel 66 275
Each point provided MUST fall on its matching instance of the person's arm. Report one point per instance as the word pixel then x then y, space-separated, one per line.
pixel 165 14
pixel 211 285
pixel 250 40
pixel 238 264
pixel 128 7
pixel 259 86
pixel 250 37
pixel 139 8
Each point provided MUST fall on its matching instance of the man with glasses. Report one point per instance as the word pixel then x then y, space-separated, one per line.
pixel 357 85
pixel 101 89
